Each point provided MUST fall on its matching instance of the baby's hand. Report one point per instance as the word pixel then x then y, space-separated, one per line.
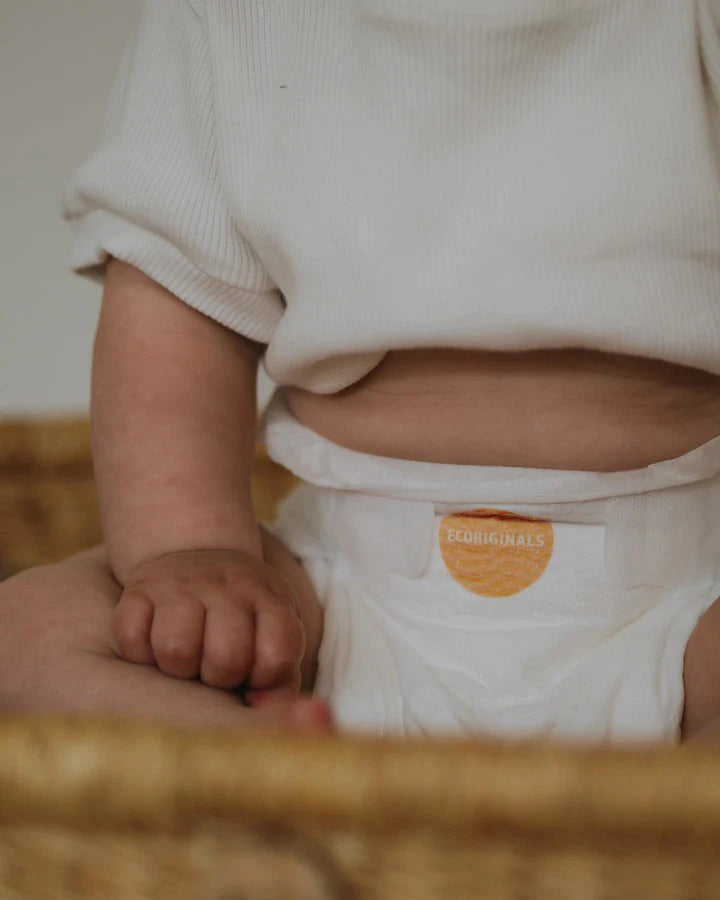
pixel 221 614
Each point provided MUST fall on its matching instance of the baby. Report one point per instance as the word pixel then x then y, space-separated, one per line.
pixel 477 246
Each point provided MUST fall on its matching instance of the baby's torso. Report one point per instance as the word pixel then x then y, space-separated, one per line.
pixel 451 194
pixel 562 409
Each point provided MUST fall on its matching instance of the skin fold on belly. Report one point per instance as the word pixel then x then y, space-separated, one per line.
pixel 570 408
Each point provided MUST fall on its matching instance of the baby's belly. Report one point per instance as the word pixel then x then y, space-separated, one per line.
pixel 556 409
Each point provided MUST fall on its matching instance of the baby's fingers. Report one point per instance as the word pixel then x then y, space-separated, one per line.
pixel 177 635
pixel 229 644
pixel 279 648
pixel 133 620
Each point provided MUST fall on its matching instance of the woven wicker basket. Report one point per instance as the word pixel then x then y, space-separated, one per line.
pixel 118 809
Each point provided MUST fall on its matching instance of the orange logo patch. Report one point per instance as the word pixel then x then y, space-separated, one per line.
pixel 493 552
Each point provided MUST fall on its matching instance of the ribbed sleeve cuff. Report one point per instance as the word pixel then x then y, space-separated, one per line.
pixel 99 234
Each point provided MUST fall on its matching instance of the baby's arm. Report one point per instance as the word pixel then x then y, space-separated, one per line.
pixel 173 426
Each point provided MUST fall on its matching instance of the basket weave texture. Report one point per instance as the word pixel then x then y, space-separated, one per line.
pixel 118 809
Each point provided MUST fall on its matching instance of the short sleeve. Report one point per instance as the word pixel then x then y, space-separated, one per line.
pixel 151 193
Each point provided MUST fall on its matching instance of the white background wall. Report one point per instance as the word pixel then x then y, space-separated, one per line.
pixel 58 59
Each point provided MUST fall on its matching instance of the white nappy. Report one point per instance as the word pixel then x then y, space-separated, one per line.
pixel 506 601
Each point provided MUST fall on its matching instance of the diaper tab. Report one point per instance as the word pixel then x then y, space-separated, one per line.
pixel 663 537
pixel 382 534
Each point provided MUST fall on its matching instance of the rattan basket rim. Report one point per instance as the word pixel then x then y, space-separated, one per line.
pixel 88 770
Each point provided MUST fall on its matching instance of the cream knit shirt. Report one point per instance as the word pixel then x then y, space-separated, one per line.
pixel 338 178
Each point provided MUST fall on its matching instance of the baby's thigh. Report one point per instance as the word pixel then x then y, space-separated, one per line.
pixel 702 673
pixel 58 653
pixel 51 610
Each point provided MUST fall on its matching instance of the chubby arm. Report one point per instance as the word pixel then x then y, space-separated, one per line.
pixel 173 414
pixel 173 425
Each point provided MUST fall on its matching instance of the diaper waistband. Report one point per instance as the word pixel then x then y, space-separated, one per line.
pixel 662 522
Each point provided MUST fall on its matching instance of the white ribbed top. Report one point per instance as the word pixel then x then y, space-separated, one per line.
pixel 338 178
